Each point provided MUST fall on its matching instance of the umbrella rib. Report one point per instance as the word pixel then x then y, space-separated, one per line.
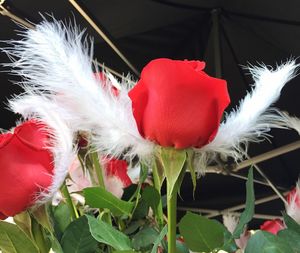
pixel 244 27
pixel 104 36
pixel 5 12
pixel 17 19
pixel 233 54
pixel 268 180
pixel 214 213
pixel 254 180
pixel 257 17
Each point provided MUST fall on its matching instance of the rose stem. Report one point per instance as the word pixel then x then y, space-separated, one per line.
pixel 99 173
pixel 171 206
pixel 65 192
pixel 98 169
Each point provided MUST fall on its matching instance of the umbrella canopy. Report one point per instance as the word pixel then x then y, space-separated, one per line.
pixel 226 34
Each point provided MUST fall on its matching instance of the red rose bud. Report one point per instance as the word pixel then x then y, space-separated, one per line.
pixel 293 197
pixel 293 204
pixel 175 103
pixel 118 169
pixel 272 226
pixel 26 167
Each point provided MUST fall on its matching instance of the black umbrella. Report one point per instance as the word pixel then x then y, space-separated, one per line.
pixel 227 35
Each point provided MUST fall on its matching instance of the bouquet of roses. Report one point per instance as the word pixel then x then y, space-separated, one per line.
pixel 84 168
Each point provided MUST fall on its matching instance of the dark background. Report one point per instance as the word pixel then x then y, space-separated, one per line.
pixel 249 32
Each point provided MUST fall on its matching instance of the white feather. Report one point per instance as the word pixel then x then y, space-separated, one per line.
pixel 251 121
pixel 61 144
pixel 291 122
pixel 56 62
pixel 230 221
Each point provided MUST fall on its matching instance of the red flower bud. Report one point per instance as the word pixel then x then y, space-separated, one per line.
pixel 272 226
pixel 118 168
pixel 177 104
pixel 293 197
pixel 26 167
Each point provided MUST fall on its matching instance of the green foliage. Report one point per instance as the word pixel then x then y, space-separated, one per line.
pixel 141 210
pixel 229 242
pixel 61 216
pixel 108 235
pixel 151 197
pixel 14 240
pixel 264 242
pixel 98 197
pixel 248 213
pixel 144 239
pixel 40 238
pixel 159 175
pixel 290 223
pixel 291 235
pixel 173 161
pixel 201 234
pixel 190 166
pixel 160 237
pixel 23 221
pixel 41 215
pixel 77 237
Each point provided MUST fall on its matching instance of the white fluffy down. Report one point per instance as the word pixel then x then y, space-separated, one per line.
pixel 56 62
pixel 251 121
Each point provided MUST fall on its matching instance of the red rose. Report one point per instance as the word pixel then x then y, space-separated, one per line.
pixel 272 226
pixel 26 167
pixel 177 104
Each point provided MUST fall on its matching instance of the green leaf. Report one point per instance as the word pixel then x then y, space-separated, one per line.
pixel 77 237
pixel 40 238
pixel 124 251
pixel 62 217
pixel 292 238
pixel 180 179
pixel 159 175
pixel 133 226
pixel 98 197
pixel 55 245
pixel 143 173
pixel 229 242
pixel 265 242
pixel 151 197
pixel 23 221
pixel 161 236
pixel 201 234
pixel 190 158
pixel 248 213
pixel 42 217
pixel 181 247
pixel 291 223
pixel 173 161
pixel 144 239
pixel 14 240
pixel 141 211
pixel 105 233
